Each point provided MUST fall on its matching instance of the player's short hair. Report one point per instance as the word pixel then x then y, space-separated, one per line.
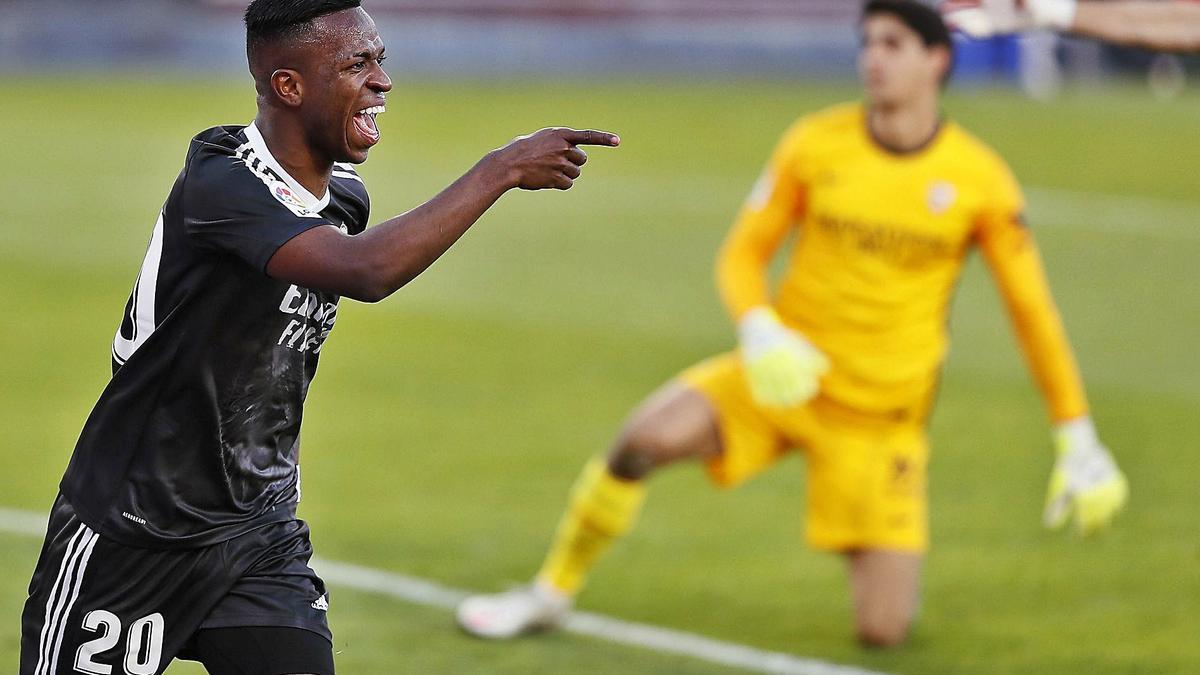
pixel 270 20
pixel 924 20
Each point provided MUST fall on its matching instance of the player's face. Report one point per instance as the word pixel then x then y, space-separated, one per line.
pixel 895 65
pixel 350 81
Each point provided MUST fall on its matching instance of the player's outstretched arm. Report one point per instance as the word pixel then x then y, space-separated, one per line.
pixel 1171 25
pixel 374 264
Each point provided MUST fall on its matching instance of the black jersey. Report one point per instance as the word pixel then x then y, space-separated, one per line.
pixel 196 437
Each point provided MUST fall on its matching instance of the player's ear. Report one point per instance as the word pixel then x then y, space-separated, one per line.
pixel 943 62
pixel 287 86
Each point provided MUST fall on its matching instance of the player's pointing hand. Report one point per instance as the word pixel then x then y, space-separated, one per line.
pixel 548 158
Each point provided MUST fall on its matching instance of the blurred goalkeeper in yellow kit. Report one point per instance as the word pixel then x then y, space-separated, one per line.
pixel 841 362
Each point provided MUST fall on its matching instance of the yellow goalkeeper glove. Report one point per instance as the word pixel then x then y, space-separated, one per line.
pixel 986 18
pixel 1085 485
pixel 783 368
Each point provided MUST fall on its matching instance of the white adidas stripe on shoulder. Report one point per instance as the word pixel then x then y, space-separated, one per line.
pixel 261 170
pixel 346 174
pixel 346 170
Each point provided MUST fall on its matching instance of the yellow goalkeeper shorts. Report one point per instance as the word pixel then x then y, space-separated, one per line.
pixel 866 474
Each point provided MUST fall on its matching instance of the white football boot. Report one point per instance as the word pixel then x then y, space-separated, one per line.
pixel 522 610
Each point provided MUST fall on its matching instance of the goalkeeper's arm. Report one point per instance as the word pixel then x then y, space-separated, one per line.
pixel 1016 266
pixel 1086 486
pixel 782 367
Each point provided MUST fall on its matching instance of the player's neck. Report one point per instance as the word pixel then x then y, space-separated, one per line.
pixel 288 146
pixel 904 128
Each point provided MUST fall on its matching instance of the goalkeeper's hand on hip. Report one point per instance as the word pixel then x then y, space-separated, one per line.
pixel 783 368
pixel 1086 486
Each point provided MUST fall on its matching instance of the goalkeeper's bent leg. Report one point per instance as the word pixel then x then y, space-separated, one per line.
pixel 675 423
pixel 602 508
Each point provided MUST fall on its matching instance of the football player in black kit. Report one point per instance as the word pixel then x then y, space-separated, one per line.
pixel 175 532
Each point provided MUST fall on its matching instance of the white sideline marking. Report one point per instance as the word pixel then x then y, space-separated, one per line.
pixel 23 522
pixel 423 592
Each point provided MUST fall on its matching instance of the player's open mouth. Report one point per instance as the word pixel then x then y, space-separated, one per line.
pixel 364 123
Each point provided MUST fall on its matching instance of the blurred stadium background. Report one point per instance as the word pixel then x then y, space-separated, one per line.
pixel 448 422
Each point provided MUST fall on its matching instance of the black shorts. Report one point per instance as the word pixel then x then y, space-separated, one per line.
pixel 96 606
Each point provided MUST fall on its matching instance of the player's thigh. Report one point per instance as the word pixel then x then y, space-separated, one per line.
pixel 275 585
pixel 674 423
pixel 96 606
pixel 885 588
pixel 254 650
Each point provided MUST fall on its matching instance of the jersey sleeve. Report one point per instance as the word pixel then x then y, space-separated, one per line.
pixel 1016 265
pixel 775 203
pixel 230 209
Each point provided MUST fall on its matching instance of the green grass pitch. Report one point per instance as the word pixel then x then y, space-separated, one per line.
pixel 448 422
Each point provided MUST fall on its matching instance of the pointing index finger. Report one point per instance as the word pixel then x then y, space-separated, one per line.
pixel 591 137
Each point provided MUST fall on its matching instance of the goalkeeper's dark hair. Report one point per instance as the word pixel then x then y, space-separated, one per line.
pixel 924 20
pixel 268 21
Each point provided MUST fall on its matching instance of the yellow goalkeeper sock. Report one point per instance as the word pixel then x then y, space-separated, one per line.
pixel 602 508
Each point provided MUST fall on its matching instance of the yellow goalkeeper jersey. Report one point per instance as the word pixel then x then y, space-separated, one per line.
pixel 881 241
